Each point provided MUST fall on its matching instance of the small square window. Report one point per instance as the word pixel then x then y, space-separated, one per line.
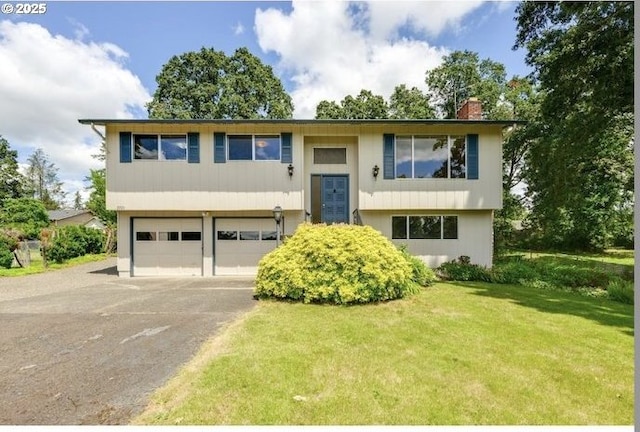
pixel 399 227
pixel 227 235
pixel 267 148
pixel 173 147
pixel 424 227
pixel 269 235
pixel 191 235
pixel 240 147
pixel 249 235
pixel 450 227
pixel 145 236
pixel 146 146
pixel 168 236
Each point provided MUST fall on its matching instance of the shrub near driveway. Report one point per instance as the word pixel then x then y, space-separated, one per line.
pixel 339 264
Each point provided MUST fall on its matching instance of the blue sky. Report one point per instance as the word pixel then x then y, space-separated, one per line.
pixel 99 59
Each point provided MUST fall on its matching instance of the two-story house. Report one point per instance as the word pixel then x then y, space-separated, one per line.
pixel 196 197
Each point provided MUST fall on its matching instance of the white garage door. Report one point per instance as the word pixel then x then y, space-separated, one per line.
pixel 241 243
pixel 167 247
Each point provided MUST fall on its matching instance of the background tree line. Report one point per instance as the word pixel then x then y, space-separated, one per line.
pixel 568 172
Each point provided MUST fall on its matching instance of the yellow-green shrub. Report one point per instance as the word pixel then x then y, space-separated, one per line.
pixel 339 264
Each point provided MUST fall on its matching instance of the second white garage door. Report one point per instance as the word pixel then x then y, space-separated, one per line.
pixel 241 243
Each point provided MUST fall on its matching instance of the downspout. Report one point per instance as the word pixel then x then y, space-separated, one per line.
pixel 98 132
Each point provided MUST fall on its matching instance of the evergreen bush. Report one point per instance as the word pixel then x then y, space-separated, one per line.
pixel 340 264
pixel 73 241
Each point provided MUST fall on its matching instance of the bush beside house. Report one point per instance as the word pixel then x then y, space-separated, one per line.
pixel 72 241
pixel 340 264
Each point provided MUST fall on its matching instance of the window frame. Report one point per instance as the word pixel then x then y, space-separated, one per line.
pixel 407 233
pixel 254 138
pixel 315 162
pixel 450 141
pixel 159 147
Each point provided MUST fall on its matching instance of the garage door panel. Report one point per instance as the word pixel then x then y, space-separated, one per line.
pixel 240 254
pixel 166 254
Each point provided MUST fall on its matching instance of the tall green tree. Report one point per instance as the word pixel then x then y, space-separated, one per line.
pixel 580 167
pixel 410 103
pixel 365 105
pixel 97 198
pixel 11 181
pixel 520 101
pixel 207 84
pixel 462 75
pixel 42 180
pixel 77 201
pixel 27 215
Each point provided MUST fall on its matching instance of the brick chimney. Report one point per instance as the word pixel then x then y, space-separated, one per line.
pixel 471 109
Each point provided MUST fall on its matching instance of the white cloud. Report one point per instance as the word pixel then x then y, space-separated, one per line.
pixel 428 17
pixel 238 29
pixel 335 48
pixel 48 82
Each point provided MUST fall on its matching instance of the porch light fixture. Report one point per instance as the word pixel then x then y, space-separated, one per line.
pixel 290 170
pixel 375 171
pixel 277 216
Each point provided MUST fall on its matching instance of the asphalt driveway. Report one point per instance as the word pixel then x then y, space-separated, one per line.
pixel 81 346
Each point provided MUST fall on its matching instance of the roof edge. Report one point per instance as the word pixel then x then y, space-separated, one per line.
pixel 104 122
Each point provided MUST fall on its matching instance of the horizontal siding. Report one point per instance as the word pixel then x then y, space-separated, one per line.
pixel 381 194
pixel 260 185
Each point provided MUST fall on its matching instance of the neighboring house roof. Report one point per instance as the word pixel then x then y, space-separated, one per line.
pixel 103 122
pixel 56 215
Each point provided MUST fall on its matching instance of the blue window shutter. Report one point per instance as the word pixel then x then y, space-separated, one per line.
pixel 125 147
pixel 472 156
pixel 287 152
pixel 193 142
pixel 388 158
pixel 219 151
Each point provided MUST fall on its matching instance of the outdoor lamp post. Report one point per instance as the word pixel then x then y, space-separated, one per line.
pixel 277 216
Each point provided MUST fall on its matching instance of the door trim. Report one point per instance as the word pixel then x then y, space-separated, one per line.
pixel 347 195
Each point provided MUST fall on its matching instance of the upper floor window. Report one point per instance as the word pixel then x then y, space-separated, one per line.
pixel 431 156
pixel 254 147
pixel 160 147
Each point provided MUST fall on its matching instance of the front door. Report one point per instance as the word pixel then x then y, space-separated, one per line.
pixel 330 199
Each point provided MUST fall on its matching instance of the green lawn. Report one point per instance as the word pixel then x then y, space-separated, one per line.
pixel 464 353
pixel 618 257
pixel 37 265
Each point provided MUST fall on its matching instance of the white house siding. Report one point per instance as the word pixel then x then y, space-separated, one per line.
pixel 240 189
pixel 475 236
pixel 178 185
pixel 483 193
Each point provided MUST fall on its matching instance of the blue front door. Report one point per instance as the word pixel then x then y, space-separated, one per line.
pixel 335 199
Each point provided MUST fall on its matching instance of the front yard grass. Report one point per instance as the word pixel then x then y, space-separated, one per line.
pixel 457 353
pixel 37 265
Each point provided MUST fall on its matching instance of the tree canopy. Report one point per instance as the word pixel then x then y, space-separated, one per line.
pixel 11 181
pixel 208 84
pixel 365 105
pixel 463 75
pixel 27 215
pixel 579 167
pixel 42 180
